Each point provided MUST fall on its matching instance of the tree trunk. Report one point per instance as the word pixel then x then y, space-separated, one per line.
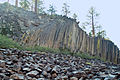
pixel 32 9
pixel 16 3
pixel 93 28
pixel 36 6
pixel 8 1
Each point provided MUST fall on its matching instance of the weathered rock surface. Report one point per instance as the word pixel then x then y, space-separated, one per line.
pixel 69 67
pixel 54 32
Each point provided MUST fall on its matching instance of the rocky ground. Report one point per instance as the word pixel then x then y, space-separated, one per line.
pixel 25 65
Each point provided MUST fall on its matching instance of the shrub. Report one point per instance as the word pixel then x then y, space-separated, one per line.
pixel 6 42
pixel 42 49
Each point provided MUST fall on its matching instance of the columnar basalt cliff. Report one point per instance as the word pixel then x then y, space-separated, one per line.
pixel 54 32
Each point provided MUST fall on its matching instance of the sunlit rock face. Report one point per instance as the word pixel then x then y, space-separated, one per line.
pixel 56 31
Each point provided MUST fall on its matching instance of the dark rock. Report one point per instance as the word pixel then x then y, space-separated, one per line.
pixel 56 69
pixel 37 66
pixel 54 75
pixel 2 75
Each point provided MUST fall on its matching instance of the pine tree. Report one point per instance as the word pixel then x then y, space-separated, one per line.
pixel 51 10
pixel 100 32
pixel 92 17
pixel 92 21
pixel 16 3
pixel 74 16
pixel 39 6
pixel 36 5
pixel 25 4
pixel 65 9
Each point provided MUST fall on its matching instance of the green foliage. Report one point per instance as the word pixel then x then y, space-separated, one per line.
pixel 51 10
pixel 61 51
pixel 88 56
pixel 96 30
pixel 5 31
pixel 90 34
pixel 74 16
pixel 83 26
pixel 88 63
pixel 65 51
pixel 91 20
pixel 102 34
pixel 40 6
pixel 92 13
pixel 65 9
pixel 6 42
pixel 25 4
pixel 46 49
pixel 84 55
pixel 42 49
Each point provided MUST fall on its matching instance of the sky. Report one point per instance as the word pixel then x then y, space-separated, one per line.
pixel 109 13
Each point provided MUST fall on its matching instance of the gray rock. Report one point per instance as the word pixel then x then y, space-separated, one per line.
pixel 73 78
pixel 26 69
pixel 2 75
pixel 41 79
pixel 44 73
pixel 17 76
pixel 2 63
pixel 56 69
pixel 32 73
pixel 64 77
pixel 48 68
pixel 9 62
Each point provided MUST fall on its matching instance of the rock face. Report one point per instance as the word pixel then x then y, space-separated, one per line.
pixel 54 32
pixel 23 65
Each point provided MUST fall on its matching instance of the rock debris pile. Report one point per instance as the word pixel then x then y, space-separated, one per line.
pixel 25 65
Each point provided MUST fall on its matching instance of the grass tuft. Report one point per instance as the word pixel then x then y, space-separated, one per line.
pixel 6 42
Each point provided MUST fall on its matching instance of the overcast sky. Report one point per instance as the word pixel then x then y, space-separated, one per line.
pixel 109 13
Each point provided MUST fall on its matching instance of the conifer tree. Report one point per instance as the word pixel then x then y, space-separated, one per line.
pixel 16 3
pixel 74 16
pixel 25 4
pixel 91 17
pixel 51 10
pixel 38 6
pixel 65 9
pixel 92 22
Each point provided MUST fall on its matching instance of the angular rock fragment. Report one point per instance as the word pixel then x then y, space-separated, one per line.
pixel 32 73
pixel 73 78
